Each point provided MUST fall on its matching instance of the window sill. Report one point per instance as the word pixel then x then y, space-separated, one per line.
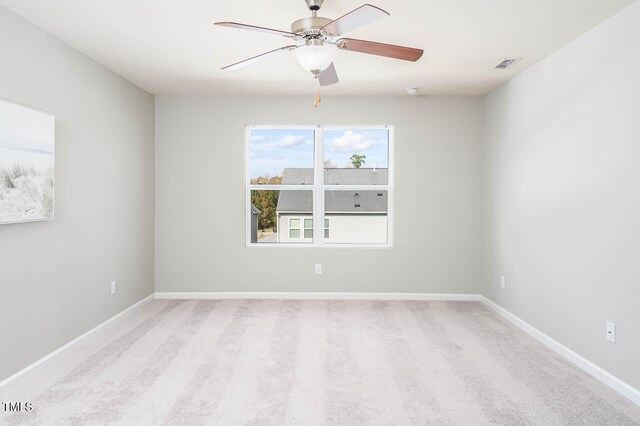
pixel 308 246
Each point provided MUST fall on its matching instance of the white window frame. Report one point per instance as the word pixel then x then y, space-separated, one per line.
pixel 318 188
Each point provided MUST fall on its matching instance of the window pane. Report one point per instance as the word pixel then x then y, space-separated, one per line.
pixel 308 233
pixel 326 234
pixel 277 216
pixel 281 156
pixel 357 217
pixel 308 223
pixel 326 223
pixel 356 157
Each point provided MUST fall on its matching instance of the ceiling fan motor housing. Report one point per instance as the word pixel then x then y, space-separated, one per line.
pixel 310 26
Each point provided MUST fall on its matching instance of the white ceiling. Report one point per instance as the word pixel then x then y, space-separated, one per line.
pixel 171 46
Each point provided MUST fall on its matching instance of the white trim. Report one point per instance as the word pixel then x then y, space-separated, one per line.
pixel 372 188
pixel 318 193
pixel 77 339
pixel 247 189
pixel 356 126
pixel 589 367
pixel 281 127
pixel 319 296
pixel 334 212
pixel 280 187
pixel 374 246
pixel 299 213
pixel 391 183
pixel 352 213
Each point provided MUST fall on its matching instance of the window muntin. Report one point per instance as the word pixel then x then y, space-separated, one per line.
pixel 368 175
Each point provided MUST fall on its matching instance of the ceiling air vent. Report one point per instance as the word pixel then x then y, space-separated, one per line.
pixel 506 63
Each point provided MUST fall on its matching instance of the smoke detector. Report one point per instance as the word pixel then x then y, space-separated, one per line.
pixel 506 63
pixel 411 90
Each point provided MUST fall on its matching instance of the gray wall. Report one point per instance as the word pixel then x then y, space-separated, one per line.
pixel 200 217
pixel 563 194
pixel 54 276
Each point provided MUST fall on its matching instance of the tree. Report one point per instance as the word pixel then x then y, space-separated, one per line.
pixel 266 200
pixel 357 160
pixel 328 164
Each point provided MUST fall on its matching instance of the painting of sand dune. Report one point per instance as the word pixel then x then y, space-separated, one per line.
pixel 26 164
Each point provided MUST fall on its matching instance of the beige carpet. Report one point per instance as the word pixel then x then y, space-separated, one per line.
pixel 272 362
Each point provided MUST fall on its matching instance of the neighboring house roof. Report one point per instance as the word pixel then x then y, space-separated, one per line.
pixel 335 201
pixel 362 176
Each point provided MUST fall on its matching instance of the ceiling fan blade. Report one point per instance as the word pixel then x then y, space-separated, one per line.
pixel 258 58
pixel 381 49
pixel 357 18
pixel 255 28
pixel 328 76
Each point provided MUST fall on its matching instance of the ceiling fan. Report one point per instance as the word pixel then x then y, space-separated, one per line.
pixel 316 39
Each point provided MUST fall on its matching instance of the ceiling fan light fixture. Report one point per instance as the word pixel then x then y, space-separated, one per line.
pixel 314 57
pixel 316 41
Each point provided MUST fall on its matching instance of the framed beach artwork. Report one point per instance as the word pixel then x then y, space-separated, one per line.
pixel 27 140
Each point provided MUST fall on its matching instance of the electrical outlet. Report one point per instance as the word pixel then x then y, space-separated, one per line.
pixel 611 332
pixel 503 281
pixel 114 287
pixel 318 268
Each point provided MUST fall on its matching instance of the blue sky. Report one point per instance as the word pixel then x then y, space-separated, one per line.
pixel 273 150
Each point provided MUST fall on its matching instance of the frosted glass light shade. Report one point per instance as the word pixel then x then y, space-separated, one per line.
pixel 313 58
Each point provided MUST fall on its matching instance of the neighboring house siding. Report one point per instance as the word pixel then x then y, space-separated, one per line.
pixel 350 228
pixel 343 228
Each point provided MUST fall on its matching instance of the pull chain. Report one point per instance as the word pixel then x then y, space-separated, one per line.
pixel 318 98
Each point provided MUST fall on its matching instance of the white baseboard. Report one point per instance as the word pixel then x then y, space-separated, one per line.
pixel 321 296
pixel 57 351
pixel 604 376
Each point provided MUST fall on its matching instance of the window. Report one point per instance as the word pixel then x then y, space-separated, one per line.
pixel 308 228
pixel 319 186
pixel 294 228
pixel 326 229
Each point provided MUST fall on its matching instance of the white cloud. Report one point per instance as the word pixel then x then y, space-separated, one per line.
pixel 257 138
pixel 291 140
pixel 354 142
